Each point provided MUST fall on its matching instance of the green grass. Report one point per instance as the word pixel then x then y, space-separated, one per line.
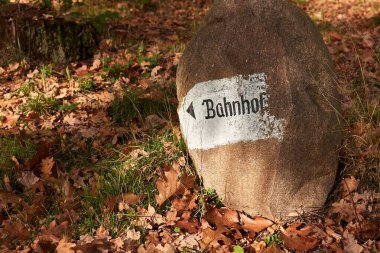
pixel 69 107
pixel 41 105
pixel 27 88
pixel 325 26
pixel 133 106
pixel 100 21
pixel 22 149
pixel 360 151
pixel 124 173
pixel 87 85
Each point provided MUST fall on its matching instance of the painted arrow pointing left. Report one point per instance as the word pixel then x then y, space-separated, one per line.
pixel 190 110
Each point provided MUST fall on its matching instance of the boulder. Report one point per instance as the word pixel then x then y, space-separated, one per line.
pixel 258 107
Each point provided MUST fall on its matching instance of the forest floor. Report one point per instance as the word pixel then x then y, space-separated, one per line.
pixel 92 159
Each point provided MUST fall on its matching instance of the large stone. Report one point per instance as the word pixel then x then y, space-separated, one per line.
pixel 280 153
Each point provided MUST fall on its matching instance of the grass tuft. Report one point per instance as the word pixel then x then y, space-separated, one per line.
pixel 132 106
pixel 11 146
pixel 41 105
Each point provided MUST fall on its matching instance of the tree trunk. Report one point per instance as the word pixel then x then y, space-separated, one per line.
pixel 39 35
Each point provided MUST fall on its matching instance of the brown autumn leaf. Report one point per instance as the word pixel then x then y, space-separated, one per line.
pixel 256 224
pixel 172 183
pixel 187 223
pixel 335 248
pixel 17 163
pixel 47 165
pixel 128 199
pixel 64 246
pixel 28 179
pixel 7 183
pixel 184 242
pixel 171 217
pixel 211 237
pixel 347 186
pixel 345 210
pixel 273 248
pixel 131 198
pixel 168 186
pixel 298 238
pixel 185 203
pixel 222 217
pixel 96 64
pixel 133 235
pixel 350 244
pixel 16 230
pixel 42 153
pixel 57 230
pixel 8 198
pixel 258 246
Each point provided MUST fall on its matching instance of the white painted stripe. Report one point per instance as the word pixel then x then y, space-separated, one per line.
pixel 201 113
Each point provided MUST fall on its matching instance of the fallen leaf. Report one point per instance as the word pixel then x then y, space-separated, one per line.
pixel 335 248
pixel 350 245
pixel 297 238
pixel 16 230
pixel 258 246
pixel 348 185
pixel 172 184
pixel 212 238
pixel 8 198
pixel 133 235
pixel 256 224
pixel 188 225
pixel 65 247
pixel 188 242
pixel 273 248
pixel 28 179
pixel 96 64
pixel 185 203
pixel 46 165
pixel 222 217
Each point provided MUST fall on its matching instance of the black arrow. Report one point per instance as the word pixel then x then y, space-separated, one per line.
pixel 190 110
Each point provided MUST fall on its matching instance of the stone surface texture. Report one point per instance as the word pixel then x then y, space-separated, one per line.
pixel 273 177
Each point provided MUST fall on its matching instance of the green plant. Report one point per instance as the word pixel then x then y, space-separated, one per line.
pixel 68 74
pixel 27 88
pixel 122 173
pixel 207 197
pixel 238 249
pixel 69 107
pixel 117 69
pixel 101 20
pixel 133 106
pixel 325 26
pixel 46 3
pixel 46 71
pixel 41 105
pixel 210 196
pixel 87 85
pixel 13 146
pixel 274 238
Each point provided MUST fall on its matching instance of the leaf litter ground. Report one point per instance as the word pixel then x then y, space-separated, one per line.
pixel 92 159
